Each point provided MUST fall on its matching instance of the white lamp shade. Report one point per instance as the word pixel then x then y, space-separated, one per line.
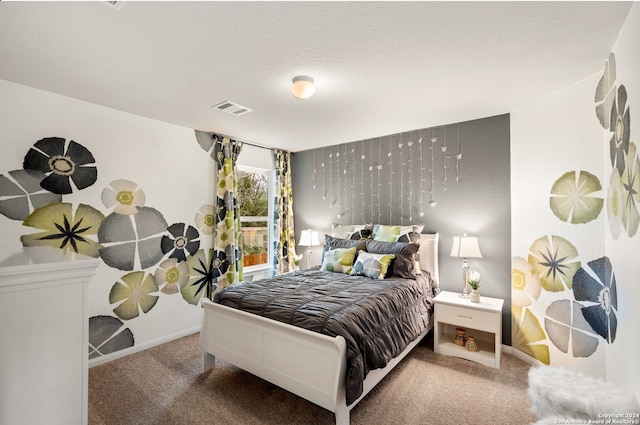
pixel 465 247
pixel 309 238
pixel 303 87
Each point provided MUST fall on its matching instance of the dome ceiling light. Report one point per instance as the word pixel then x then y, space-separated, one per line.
pixel 302 87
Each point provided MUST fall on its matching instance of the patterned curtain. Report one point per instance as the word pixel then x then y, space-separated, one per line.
pixel 285 237
pixel 226 264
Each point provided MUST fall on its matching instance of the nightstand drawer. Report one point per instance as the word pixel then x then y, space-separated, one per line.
pixel 459 316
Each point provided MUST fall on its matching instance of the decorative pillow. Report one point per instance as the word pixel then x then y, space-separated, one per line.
pixel 373 266
pixel 405 264
pixel 331 243
pixel 352 231
pixel 339 260
pixel 391 233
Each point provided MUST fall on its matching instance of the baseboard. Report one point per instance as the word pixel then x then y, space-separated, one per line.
pixel 522 356
pixel 140 347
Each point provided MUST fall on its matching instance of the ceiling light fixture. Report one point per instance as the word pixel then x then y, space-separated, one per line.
pixel 302 87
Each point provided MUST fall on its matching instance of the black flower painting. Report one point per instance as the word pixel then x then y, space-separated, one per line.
pixel 183 241
pixel 621 127
pixel 62 163
pixel 597 291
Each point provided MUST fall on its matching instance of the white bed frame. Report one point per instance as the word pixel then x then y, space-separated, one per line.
pixel 308 364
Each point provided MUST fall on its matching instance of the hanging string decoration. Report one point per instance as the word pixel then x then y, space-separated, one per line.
pixel 390 181
pixel 434 140
pixel 445 156
pixel 400 145
pixel 371 178
pixel 410 182
pixel 362 158
pixel 420 145
pixel 458 157
pixel 324 177
pixel 379 167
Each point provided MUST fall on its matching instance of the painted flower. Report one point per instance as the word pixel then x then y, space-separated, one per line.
pixel 630 180
pixel 571 198
pixel 606 92
pixel 552 259
pixel 615 203
pixel 62 163
pixel 21 194
pixel 525 286
pixel 621 127
pixel 201 282
pixel 64 228
pixel 123 196
pixel 529 337
pixel 171 275
pixel 132 241
pixel 183 240
pixel 565 325
pixel 107 334
pixel 220 210
pixel 205 219
pixel 596 288
pixel 134 293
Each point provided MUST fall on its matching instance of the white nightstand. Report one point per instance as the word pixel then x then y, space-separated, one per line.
pixel 481 320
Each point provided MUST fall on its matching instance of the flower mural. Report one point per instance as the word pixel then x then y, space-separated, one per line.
pixel 21 193
pixel 205 219
pixel 134 293
pixel 621 127
pixel 183 240
pixel 65 228
pixel 595 287
pixel 572 197
pixel 107 335
pixel 552 259
pixel 171 275
pixel 123 196
pixel 630 181
pixel 567 329
pixel 529 336
pixel 132 241
pixel 62 163
pixel 606 92
pixel 615 203
pixel 201 271
pixel 525 285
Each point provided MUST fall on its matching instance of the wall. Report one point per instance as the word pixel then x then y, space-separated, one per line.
pixel 572 216
pixel 387 180
pixel 163 162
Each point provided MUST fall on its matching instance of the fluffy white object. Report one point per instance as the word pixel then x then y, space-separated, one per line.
pixel 560 393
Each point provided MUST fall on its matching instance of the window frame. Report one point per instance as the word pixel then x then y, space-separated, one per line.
pixel 271 186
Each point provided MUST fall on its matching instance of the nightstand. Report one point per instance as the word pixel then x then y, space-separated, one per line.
pixel 481 320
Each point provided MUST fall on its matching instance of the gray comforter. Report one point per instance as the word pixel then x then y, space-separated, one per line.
pixel 377 318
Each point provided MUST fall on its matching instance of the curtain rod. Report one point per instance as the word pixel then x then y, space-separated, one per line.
pixel 246 142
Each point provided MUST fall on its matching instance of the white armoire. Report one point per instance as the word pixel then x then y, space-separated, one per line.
pixel 44 328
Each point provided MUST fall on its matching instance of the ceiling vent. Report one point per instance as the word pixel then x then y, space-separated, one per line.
pixel 231 108
pixel 117 5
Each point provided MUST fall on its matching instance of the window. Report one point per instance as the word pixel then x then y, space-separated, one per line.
pixel 255 189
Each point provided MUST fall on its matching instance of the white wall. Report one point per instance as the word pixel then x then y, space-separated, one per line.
pixel 553 135
pixel 165 160
pixel 622 359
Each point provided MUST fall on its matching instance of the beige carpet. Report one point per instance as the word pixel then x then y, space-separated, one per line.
pixel 164 385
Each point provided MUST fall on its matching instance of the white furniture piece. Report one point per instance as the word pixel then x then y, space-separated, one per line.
pixel 308 364
pixel 481 320
pixel 44 326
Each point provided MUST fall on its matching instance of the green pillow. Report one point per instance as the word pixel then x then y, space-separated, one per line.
pixel 373 266
pixel 339 260
pixel 386 233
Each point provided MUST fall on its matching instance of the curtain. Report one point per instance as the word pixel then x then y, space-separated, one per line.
pixel 284 259
pixel 226 263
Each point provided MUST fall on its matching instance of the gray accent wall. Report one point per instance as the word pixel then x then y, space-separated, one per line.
pixel 388 180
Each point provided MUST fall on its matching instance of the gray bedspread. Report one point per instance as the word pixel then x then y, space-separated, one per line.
pixel 377 318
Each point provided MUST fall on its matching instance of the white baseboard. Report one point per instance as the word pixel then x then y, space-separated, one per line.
pixel 140 347
pixel 522 356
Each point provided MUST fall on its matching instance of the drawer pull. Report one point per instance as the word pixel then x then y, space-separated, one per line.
pixel 465 317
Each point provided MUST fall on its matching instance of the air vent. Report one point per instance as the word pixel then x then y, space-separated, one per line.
pixel 231 108
pixel 117 5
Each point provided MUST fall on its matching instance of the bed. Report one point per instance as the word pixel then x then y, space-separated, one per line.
pixel 312 365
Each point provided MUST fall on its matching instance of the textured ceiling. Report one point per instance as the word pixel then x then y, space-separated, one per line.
pixel 380 67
